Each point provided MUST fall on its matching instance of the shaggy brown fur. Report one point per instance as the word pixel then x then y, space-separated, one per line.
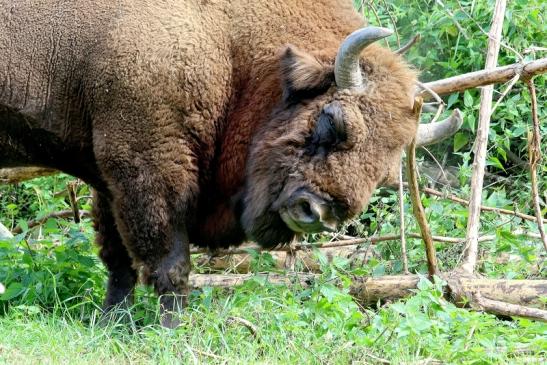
pixel 196 120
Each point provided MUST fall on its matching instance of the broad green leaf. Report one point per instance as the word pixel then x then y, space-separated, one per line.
pixel 13 290
pixel 460 140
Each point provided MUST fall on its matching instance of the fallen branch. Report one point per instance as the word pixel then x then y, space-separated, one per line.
pixel 17 174
pixel 534 151
pixel 481 141
pixel 62 214
pixel 486 77
pixel 371 290
pixel 417 207
pixel 507 309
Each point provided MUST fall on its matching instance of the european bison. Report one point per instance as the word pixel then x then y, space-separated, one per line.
pixel 210 121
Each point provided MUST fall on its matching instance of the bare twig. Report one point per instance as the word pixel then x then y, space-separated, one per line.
pixel 481 142
pixel 504 93
pixel 410 43
pixel 393 23
pixel 534 143
pixel 436 96
pixel 349 242
pixel 456 23
pixel 245 323
pixel 507 309
pixel 417 207
pixel 461 201
pixel 486 77
pixel 71 188
pixel 402 221
pixel 62 214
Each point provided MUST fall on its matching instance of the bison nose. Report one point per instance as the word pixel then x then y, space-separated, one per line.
pixel 310 213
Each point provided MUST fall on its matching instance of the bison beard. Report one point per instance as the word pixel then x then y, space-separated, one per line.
pixel 171 110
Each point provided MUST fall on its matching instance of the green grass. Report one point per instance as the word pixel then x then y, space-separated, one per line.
pixel 294 326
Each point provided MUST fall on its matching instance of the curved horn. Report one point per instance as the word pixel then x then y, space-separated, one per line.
pixel 435 132
pixel 346 66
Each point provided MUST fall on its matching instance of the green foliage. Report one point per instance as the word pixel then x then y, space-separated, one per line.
pixel 454 41
pixel 55 282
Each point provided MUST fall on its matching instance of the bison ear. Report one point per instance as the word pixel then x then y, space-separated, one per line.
pixel 303 76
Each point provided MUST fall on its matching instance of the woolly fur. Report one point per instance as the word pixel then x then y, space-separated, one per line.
pixel 190 118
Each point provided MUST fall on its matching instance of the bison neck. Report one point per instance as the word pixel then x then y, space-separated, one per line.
pixel 256 91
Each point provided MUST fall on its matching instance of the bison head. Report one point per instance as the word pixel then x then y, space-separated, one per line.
pixel 337 134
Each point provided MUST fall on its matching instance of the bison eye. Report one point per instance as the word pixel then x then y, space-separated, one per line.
pixel 329 131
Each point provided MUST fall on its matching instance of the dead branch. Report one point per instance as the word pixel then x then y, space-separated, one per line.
pixel 486 77
pixel 62 214
pixel 410 43
pixel 464 202
pixel 507 309
pixel 417 207
pixel 245 323
pixel 481 142
pixel 370 290
pixel 243 250
pixel 402 220
pixel 15 175
pixel 534 151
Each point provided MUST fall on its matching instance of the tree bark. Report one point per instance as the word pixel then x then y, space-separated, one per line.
pixel 481 142
pixel 17 174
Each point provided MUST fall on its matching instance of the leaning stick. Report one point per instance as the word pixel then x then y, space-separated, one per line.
pixel 417 206
pixel 534 143
pixel 402 220
pixel 481 142
pixel 496 75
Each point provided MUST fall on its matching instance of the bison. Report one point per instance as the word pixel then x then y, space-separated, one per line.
pixel 204 121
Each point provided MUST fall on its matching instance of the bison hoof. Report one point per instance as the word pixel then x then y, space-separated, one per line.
pixel 171 307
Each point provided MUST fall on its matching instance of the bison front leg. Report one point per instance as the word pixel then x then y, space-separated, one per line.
pixel 152 177
pixel 121 275
pixel 151 219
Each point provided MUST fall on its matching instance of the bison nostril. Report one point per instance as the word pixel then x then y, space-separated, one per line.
pixel 306 209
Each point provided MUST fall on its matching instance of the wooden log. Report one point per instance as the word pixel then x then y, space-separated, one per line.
pixel 370 290
pixel 15 175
